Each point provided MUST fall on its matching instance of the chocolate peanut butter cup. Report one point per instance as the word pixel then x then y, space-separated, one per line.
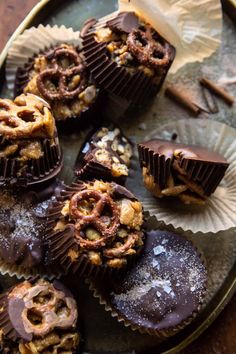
pixel 59 76
pixel 105 154
pixel 37 316
pixel 94 228
pixel 163 292
pixel 127 57
pixel 192 173
pixel 29 148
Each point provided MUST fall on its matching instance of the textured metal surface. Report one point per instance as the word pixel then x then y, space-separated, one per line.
pixel 101 333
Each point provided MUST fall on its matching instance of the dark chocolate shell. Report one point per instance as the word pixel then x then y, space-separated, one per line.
pixel 163 292
pixel 134 87
pixel 62 249
pixel 203 166
pixel 34 170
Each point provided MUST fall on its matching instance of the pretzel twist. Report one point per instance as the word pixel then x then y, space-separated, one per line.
pixel 26 117
pixel 143 45
pixel 94 218
pixel 61 75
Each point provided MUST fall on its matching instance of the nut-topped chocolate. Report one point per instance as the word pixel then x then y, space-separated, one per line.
pixel 126 56
pixel 59 76
pixel 191 173
pixel 93 227
pixel 105 154
pixel 37 316
pixel 165 289
pixel 29 147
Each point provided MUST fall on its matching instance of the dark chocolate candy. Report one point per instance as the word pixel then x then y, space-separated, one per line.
pixel 203 166
pixel 21 225
pixel 69 247
pixel 132 85
pixel 164 290
pixel 125 22
pixel 88 166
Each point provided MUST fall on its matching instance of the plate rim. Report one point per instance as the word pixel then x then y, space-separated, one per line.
pixel 230 281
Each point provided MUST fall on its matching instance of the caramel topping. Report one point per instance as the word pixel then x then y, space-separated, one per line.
pixel 28 116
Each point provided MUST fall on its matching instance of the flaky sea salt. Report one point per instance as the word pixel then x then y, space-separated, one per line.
pixel 158 250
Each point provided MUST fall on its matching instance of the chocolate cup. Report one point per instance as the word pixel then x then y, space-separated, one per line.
pixel 69 124
pixel 92 169
pixel 203 166
pixel 23 255
pixel 35 170
pixel 167 316
pixel 59 243
pixel 134 87
pixel 12 327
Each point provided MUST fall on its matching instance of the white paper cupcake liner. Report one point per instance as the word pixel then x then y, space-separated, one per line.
pixel 192 27
pixel 219 212
pixel 31 42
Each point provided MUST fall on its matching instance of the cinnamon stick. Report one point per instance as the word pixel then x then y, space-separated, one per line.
pixel 217 90
pixel 210 100
pixel 182 99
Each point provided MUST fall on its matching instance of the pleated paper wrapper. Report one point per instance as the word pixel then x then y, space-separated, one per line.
pixel 218 213
pixel 31 42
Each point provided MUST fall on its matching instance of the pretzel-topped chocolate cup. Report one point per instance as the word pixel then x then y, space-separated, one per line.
pixel 191 173
pixel 105 154
pixel 59 75
pixel 94 228
pixel 126 56
pixel 38 316
pixel 29 146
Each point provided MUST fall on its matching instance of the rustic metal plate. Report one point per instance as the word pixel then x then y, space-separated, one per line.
pixel 100 332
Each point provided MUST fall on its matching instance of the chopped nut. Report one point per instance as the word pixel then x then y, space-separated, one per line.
pixel 74 82
pixel 131 213
pixel 95 258
pixel 92 234
pixel 66 208
pixel 148 181
pixel 9 150
pixel 73 255
pixel 122 233
pixel 174 191
pixel 32 150
pixel 190 199
pixel 119 169
pixel 116 262
pixel 60 226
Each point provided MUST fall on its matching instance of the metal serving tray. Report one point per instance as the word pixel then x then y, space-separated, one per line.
pixel 101 333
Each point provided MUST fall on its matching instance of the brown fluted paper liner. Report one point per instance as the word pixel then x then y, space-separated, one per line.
pixel 218 213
